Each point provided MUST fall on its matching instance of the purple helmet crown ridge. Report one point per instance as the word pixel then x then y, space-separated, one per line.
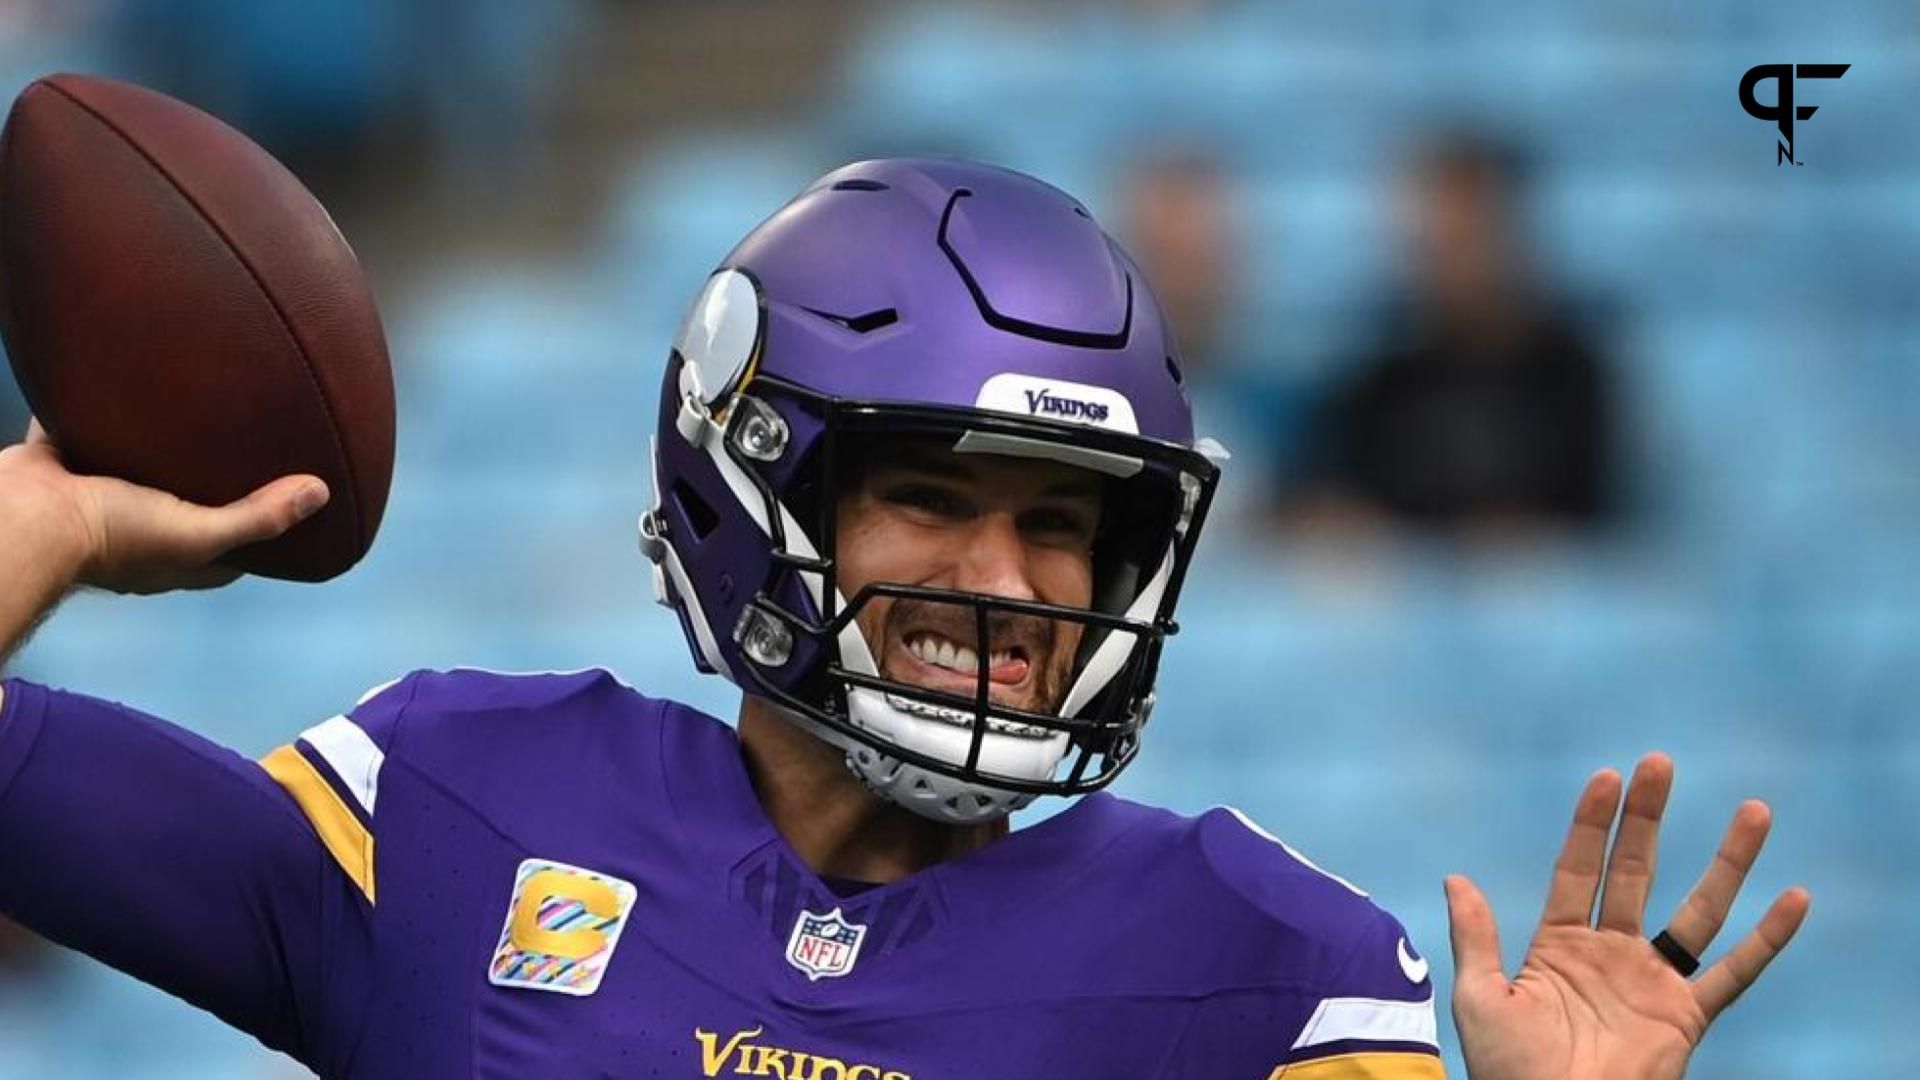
pixel 987 271
pixel 1084 244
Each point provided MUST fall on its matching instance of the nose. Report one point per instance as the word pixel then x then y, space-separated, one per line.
pixel 994 561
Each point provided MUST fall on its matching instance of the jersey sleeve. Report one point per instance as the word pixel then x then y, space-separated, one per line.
pixel 186 866
pixel 1368 1020
pixel 1374 1017
pixel 332 774
pixel 1330 986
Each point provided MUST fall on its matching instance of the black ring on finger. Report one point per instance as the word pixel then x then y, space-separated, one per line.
pixel 1675 953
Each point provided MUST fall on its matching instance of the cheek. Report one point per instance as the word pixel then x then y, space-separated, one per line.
pixel 858 541
pixel 854 569
pixel 872 621
pixel 863 542
pixel 1063 577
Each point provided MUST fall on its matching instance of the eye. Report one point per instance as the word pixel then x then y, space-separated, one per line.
pixel 929 499
pixel 1060 525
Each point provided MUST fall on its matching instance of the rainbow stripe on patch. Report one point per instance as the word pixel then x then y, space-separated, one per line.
pixel 561 928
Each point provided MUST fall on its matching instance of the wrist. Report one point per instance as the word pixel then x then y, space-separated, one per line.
pixel 46 546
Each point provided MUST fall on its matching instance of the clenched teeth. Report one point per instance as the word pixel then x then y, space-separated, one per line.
pixel 946 653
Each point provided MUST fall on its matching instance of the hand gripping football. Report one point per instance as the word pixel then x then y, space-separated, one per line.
pixel 180 312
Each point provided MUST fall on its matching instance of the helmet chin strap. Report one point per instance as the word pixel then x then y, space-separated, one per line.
pixel 928 794
pixel 926 729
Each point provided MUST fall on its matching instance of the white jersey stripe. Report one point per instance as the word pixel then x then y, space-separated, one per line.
pixel 1255 828
pixel 1370 1019
pixel 352 756
pixel 377 691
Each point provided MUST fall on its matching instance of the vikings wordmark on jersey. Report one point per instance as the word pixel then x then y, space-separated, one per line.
pixel 529 823
pixel 739 1054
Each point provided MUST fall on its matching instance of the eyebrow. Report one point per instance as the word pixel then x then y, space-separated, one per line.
pixel 944 466
pixel 1078 487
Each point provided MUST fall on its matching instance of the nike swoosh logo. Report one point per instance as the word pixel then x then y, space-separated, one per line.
pixel 1414 968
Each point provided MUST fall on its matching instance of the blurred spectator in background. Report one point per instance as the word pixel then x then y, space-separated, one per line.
pixel 1181 218
pixel 1174 223
pixel 1486 407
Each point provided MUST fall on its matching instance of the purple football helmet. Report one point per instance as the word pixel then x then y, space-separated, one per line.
pixel 924 299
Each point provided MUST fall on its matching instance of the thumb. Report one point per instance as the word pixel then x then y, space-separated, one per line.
pixel 264 514
pixel 1474 937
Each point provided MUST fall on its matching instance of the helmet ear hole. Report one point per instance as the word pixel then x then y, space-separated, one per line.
pixel 700 515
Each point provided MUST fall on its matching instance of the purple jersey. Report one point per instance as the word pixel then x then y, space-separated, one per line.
pixel 472 874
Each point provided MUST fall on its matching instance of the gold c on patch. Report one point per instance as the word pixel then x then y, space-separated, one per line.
pixel 561 928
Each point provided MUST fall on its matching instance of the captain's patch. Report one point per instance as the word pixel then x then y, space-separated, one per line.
pixel 561 928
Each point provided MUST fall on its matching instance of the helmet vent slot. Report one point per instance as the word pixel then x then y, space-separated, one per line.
pixel 861 324
pixel 699 513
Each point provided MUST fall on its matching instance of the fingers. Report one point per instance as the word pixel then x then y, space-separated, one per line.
pixel 1576 874
pixel 156 542
pixel 1704 911
pixel 1471 929
pixel 266 513
pixel 1630 870
pixel 1724 982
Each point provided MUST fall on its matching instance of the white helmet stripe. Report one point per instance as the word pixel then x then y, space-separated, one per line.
pixel 1111 656
pixel 744 491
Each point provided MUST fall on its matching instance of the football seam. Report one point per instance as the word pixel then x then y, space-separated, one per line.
pixel 273 302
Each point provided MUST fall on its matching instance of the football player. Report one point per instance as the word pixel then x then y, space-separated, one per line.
pixel 926 486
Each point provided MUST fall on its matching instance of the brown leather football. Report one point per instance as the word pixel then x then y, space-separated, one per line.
pixel 180 312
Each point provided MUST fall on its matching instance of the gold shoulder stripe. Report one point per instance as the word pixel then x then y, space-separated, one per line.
pixel 348 841
pixel 1365 1066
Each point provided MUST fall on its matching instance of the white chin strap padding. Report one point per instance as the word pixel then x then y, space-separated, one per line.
pixel 1023 757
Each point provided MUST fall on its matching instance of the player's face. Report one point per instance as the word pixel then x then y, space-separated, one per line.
pixel 1010 527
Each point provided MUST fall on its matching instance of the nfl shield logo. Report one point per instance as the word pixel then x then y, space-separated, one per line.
pixel 824 946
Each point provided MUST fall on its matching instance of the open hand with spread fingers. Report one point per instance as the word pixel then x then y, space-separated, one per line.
pixel 1598 999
